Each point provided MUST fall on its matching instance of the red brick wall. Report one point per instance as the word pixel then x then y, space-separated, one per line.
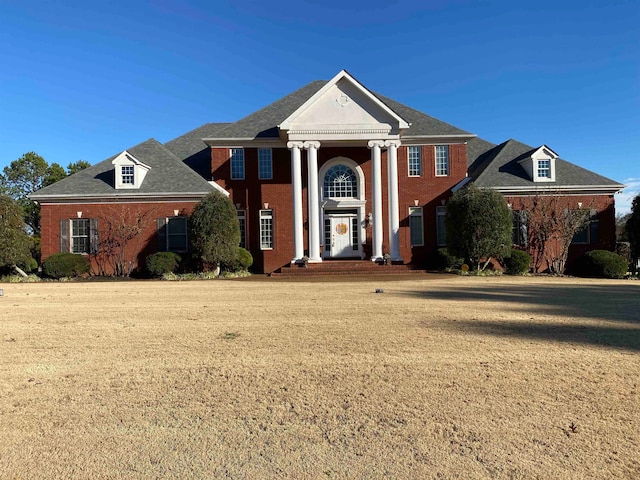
pixel 604 204
pixel 251 194
pixel 147 244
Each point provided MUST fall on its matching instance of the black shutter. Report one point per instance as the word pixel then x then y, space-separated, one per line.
pixel 64 235
pixel 162 234
pixel 93 236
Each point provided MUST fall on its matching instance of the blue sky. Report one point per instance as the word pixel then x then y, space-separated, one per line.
pixel 86 80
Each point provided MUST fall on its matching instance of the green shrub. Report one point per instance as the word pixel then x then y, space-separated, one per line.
pixel 242 261
pixel 31 265
pixel 443 260
pixel 65 264
pixel 162 262
pixel 601 264
pixel 518 263
pixel 245 259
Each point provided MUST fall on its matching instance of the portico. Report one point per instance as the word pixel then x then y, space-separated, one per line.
pixel 343 114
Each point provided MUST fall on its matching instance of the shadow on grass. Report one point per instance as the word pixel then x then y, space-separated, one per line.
pixel 610 303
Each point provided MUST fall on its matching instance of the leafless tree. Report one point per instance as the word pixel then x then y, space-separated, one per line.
pixel 121 229
pixel 552 226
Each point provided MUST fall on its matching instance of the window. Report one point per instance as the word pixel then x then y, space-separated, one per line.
pixel 519 228
pixel 265 164
pixel 242 221
pixel 172 234
pixel 266 229
pixel 544 168
pixel 354 233
pixel 237 164
pixel 442 160
pixel 590 232
pixel 127 175
pixel 441 229
pixel 80 230
pixel 340 182
pixel 79 235
pixel 415 161
pixel 416 226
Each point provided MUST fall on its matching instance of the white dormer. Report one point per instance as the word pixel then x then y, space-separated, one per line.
pixel 129 171
pixel 541 165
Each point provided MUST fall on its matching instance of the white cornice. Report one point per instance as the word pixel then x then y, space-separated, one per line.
pixel 102 198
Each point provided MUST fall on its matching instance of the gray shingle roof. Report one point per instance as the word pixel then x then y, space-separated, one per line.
pixel 190 148
pixel 498 167
pixel 264 122
pixel 167 176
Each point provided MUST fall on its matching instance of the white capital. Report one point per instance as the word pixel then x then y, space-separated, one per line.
pixel 376 143
pixel 392 143
pixel 308 145
pixel 297 145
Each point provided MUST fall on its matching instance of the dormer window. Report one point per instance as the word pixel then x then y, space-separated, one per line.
pixel 127 175
pixel 540 165
pixel 544 168
pixel 129 172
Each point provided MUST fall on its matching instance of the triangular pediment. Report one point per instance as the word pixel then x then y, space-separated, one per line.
pixel 343 109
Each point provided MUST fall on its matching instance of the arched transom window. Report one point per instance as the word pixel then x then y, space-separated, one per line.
pixel 340 182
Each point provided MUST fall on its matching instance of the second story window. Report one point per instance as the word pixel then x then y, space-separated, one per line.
pixel 415 161
pixel 265 164
pixel 442 160
pixel 237 164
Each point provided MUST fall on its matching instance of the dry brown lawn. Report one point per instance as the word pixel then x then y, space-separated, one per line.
pixel 437 377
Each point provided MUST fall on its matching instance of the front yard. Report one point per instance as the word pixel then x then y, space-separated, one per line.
pixel 437 377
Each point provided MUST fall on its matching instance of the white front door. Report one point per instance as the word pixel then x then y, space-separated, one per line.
pixel 342 236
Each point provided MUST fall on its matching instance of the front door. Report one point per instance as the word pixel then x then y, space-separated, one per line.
pixel 340 233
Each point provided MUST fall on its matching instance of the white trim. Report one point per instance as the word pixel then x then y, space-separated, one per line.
pixel 286 124
pixel 409 147
pixel 360 178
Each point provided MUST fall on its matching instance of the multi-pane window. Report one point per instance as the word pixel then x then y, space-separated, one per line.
pixel 242 222
pixel 519 228
pixel 80 232
pixel 415 161
pixel 416 226
pixel 266 229
pixel 237 164
pixel 544 168
pixel 442 160
pixel 265 164
pixel 441 229
pixel 590 232
pixel 354 233
pixel 340 182
pixel 177 234
pixel 127 175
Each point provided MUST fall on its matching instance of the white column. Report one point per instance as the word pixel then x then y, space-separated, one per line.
pixel 376 176
pixel 296 185
pixel 394 214
pixel 313 201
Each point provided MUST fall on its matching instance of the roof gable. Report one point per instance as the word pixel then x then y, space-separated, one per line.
pixel 343 106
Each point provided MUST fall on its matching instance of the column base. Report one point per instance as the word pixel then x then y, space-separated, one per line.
pixel 377 259
pixel 315 260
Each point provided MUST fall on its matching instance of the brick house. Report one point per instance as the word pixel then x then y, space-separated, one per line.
pixel 331 171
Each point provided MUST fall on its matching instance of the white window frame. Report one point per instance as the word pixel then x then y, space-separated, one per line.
pixel 242 223
pixel 416 212
pixel 543 171
pixel 441 232
pixel 265 164
pixel 127 174
pixel 439 159
pixel 414 154
pixel 236 159
pixel 266 229
pixel 73 236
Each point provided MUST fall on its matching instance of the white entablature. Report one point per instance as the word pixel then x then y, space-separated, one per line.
pixel 342 110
